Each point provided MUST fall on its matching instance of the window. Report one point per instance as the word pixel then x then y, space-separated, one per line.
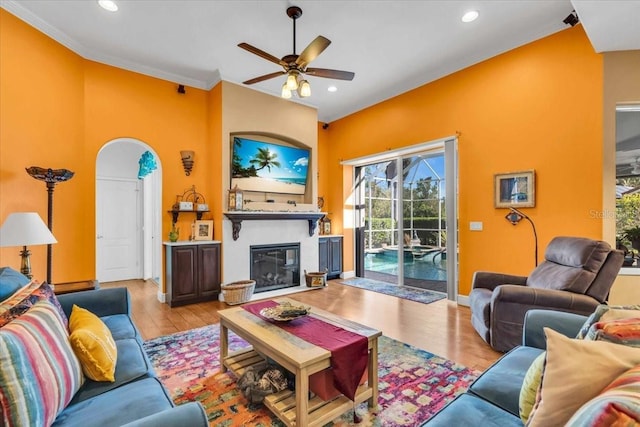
pixel 628 183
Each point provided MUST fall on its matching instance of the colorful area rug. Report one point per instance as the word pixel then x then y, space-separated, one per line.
pixel 406 292
pixel 413 384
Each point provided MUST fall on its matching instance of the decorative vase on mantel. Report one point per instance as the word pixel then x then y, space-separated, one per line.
pixel 174 233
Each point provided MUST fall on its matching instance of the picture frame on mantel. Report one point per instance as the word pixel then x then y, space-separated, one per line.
pixel 203 230
pixel 515 189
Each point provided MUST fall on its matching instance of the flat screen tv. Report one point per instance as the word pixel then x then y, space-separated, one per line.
pixel 268 167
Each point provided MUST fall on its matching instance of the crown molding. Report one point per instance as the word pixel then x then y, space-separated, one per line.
pixel 75 46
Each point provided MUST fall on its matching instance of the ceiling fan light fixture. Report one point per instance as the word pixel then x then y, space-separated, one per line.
pixel 304 90
pixel 292 80
pixel 286 93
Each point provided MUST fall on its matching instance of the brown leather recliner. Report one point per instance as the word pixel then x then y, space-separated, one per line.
pixel 575 276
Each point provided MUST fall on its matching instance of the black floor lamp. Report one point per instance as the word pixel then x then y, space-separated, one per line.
pixel 51 177
pixel 514 217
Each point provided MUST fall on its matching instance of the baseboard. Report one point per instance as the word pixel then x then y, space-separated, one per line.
pixel 162 297
pixel 348 274
pixel 463 300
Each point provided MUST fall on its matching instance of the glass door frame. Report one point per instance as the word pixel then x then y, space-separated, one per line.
pixel 447 145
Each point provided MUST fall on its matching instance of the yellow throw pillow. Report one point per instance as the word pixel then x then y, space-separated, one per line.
pixel 93 344
pixel 530 387
pixel 576 371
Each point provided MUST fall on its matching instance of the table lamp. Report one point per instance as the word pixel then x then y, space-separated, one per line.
pixel 25 229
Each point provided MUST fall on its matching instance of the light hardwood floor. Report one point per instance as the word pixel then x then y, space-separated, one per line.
pixel 443 327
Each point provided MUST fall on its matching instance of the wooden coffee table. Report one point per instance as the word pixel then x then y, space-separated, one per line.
pixel 299 357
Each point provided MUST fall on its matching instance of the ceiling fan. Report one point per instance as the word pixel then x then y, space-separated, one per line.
pixel 295 66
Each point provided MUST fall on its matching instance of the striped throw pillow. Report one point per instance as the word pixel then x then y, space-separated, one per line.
pixel 619 331
pixel 39 373
pixel 617 405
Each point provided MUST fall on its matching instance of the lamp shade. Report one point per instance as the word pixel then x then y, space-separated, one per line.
pixel 25 229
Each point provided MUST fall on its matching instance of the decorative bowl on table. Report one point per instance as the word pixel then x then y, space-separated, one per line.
pixel 285 312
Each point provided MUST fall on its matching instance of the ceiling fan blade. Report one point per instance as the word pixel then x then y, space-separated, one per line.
pixel 312 51
pixel 262 78
pixel 330 74
pixel 262 54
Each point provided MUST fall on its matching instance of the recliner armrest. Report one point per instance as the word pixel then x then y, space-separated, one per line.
pixel 535 320
pixel 542 298
pixel 489 280
pixel 101 302
pixel 187 415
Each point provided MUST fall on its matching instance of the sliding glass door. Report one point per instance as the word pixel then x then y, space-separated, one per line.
pixel 402 229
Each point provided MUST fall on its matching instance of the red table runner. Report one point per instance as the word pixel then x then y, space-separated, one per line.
pixel 349 351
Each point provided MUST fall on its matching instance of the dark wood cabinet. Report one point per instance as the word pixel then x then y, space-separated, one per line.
pixel 330 255
pixel 192 273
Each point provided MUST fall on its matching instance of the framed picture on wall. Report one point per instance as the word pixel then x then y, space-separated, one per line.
pixel 204 230
pixel 515 189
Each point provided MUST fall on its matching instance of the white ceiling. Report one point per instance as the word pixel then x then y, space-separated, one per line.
pixel 392 46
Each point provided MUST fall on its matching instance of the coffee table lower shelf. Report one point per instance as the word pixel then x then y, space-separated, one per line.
pixel 283 404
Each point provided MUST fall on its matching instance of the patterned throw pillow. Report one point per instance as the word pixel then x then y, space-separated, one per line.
pixel 24 299
pixel 10 282
pixel 608 312
pixel 39 373
pixel 619 331
pixel 93 343
pixel 617 405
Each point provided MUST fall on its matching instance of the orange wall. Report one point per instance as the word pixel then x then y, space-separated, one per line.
pixel 323 177
pixel 41 124
pixel 119 104
pixel 58 110
pixel 536 107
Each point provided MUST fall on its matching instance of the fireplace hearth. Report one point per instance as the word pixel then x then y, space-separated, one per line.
pixel 275 266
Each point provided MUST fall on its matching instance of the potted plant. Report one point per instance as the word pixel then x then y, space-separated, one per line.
pixel 633 235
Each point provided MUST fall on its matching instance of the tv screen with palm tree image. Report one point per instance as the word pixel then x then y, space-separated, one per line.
pixel 268 167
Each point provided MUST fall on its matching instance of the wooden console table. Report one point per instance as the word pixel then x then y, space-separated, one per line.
pixel 239 216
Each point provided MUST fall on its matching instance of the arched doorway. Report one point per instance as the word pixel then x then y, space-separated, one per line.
pixel 128 214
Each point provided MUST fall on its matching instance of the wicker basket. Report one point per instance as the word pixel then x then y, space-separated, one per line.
pixel 238 292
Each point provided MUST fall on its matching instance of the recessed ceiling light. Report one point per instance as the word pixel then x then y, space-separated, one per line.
pixel 470 16
pixel 332 89
pixel 109 5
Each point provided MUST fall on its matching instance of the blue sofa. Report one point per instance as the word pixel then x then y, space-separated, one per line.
pixel 136 398
pixel 492 400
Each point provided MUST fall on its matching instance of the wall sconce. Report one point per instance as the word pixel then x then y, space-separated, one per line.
pixel 514 217
pixel 187 160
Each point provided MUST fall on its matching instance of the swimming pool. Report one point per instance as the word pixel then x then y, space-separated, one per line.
pixel 425 268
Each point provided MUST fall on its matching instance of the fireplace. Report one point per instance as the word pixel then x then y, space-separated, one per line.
pixel 275 266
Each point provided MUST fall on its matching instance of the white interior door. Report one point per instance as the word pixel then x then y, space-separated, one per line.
pixel 119 233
